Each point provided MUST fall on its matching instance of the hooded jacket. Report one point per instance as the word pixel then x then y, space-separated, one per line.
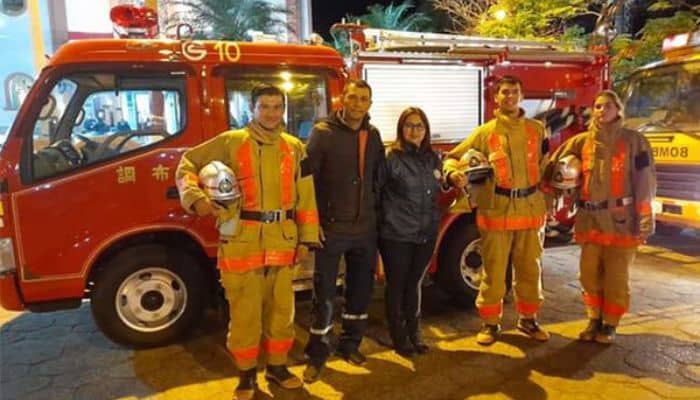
pixel 347 198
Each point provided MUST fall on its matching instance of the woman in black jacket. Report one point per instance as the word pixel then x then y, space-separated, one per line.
pixel 410 183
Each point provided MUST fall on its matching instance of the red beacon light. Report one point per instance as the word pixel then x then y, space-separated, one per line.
pixel 130 21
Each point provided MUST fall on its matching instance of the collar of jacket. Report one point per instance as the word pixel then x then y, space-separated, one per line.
pixel 510 122
pixel 338 117
pixel 264 135
pixel 607 132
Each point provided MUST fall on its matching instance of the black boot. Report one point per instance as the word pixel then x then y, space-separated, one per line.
pixel 397 331
pixel 280 375
pixel 412 326
pixel 606 334
pixel 247 386
pixel 589 334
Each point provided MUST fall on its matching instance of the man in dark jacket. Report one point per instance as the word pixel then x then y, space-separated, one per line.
pixel 345 153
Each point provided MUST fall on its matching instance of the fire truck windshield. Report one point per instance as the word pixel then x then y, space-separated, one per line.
pixel 666 98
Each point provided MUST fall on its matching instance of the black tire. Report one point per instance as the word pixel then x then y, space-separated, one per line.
pixel 158 282
pixel 664 229
pixel 462 285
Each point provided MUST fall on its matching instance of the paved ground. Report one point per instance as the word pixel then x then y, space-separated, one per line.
pixel 62 355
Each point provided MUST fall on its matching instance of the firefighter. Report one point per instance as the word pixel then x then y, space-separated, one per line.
pixel 614 211
pixel 511 211
pixel 345 154
pixel 278 221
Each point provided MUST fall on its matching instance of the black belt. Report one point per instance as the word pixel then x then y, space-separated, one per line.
pixel 267 217
pixel 513 193
pixel 603 204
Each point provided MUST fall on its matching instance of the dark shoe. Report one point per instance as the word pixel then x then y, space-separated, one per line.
pixel 353 357
pixel 404 350
pixel 312 372
pixel 280 375
pixel 247 386
pixel 606 334
pixel 418 345
pixel 530 327
pixel 589 334
pixel 488 334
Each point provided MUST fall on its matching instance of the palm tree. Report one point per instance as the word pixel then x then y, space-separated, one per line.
pixel 395 17
pixel 232 19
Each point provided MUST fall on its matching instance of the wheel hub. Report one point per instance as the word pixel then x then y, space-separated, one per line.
pixel 471 263
pixel 151 299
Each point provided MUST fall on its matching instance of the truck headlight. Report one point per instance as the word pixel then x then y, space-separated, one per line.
pixel 7 256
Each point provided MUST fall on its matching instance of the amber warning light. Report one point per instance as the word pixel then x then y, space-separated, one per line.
pixel 131 21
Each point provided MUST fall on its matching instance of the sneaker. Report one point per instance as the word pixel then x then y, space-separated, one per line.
pixel 280 375
pixel 589 334
pixel 353 357
pixel 312 372
pixel 247 386
pixel 530 327
pixel 606 334
pixel 488 334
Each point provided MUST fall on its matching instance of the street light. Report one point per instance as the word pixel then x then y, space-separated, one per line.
pixel 500 14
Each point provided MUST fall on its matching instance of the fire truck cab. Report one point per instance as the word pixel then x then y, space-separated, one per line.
pixel 663 102
pixel 452 78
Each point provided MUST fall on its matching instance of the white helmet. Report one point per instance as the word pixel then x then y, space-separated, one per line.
pixel 567 173
pixel 475 166
pixel 219 182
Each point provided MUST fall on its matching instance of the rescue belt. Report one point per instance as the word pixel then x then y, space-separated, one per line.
pixel 515 193
pixel 267 217
pixel 604 204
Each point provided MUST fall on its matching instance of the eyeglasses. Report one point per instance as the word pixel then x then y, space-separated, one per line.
pixel 419 127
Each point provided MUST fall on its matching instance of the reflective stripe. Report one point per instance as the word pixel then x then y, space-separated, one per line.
pixel 491 310
pixel 587 164
pixel 307 217
pixel 246 176
pixel 533 154
pixel 506 223
pixel 617 180
pixel 501 164
pixel 321 331
pixel 613 309
pixel 247 354
pixel 592 300
pixel 354 316
pixel 643 208
pixel 281 346
pixel 526 308
pixel 240 264
pixel 287 175
pixel 607 239
pixel 279 257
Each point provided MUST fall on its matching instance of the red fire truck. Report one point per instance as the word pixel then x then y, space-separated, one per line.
pixel 88 204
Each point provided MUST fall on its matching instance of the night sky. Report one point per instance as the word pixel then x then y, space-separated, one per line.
pixel 328 12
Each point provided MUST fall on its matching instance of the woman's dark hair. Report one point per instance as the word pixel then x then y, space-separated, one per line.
pixel 400 142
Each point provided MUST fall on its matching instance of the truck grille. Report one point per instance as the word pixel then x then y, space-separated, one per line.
pixel 680 182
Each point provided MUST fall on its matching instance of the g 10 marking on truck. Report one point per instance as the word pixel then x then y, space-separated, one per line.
pixel 670 152
pixel 196 51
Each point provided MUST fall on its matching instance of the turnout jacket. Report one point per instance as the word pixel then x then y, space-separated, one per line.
pixel 267 166
pixel 515 148
pixel 347 198
pixel 618 171
pixel 410 185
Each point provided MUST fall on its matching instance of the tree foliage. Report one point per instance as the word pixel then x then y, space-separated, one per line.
pixel 232 19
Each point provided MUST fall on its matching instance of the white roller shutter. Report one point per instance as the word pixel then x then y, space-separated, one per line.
pixel 450 95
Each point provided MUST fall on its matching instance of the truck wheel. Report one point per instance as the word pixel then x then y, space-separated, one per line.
pixel 459 268
pixel 148 296
pixel 664 229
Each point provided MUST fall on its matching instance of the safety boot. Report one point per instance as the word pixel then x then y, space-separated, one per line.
pixel 247 386
pixel 280 375
pixel 606 334
pixel 589 334
pixel 530 327
pixel 488 334
pixel 312 372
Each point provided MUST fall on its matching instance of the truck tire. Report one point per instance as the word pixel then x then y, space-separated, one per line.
pixel 459 262
pixel 148 295
pixel 664 229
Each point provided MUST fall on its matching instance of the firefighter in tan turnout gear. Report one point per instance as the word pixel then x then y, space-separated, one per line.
pixel 511 211
pixel 260 244
pixel 614 210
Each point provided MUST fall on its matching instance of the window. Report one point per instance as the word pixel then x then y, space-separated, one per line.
pixel 13 7
pixel 306 98
pixel 90 118
pixel 17 86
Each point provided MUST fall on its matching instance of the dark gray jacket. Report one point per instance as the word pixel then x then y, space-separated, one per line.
pixel 410 184
pixel 347 201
